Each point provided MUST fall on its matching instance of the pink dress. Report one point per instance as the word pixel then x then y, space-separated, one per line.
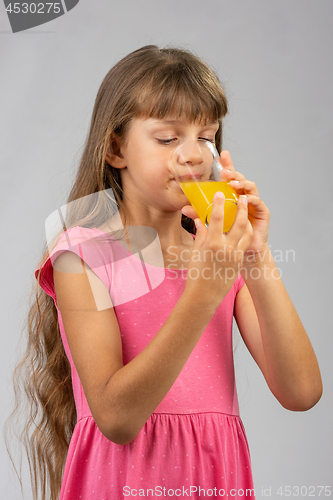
pixel 194 444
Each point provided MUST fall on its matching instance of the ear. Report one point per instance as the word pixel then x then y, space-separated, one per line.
pixel 113 155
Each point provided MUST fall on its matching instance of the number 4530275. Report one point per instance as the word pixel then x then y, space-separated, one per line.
pixel 304 491
pixel 34 8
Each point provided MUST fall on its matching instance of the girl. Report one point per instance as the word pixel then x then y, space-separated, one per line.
pixel 134 376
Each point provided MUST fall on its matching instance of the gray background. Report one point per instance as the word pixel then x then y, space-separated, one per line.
pixel 275 60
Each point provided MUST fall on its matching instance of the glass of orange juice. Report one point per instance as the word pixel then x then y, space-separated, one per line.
pixel 196 169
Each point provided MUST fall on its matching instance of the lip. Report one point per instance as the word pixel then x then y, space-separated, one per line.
pixel 189 176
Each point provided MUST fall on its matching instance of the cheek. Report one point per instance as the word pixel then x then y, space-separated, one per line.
pixel 148 162
pixel 155 167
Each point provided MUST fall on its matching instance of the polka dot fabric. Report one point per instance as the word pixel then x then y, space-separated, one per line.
pixel 195 441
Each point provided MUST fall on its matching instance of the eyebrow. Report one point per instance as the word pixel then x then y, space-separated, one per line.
pixel 178 122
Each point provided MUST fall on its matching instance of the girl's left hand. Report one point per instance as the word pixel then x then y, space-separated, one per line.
pixel 258 213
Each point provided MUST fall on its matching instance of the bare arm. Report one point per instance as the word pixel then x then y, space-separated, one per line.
pixel 275 336
pixel 267 319
pixel 135 391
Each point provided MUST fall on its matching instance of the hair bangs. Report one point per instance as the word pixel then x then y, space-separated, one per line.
pixel 181 94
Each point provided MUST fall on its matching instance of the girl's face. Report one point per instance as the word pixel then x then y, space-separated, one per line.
pixel 146 152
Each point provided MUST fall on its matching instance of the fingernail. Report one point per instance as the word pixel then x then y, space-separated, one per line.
pixel 243 199
pixel 197 223
pixel 219 194
pixel 235 182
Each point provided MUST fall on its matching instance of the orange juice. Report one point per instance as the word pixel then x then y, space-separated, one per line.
pixel 200 194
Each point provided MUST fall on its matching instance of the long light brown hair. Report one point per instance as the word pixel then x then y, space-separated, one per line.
pixel 149 82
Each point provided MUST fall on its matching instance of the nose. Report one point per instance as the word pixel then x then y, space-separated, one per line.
pixel 190 152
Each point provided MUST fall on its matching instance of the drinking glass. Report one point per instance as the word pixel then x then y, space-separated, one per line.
pixel 196 169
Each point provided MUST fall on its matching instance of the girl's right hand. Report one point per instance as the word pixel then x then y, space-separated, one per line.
pixel 217 257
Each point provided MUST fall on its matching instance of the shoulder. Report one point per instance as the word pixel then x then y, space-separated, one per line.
pixel 76 249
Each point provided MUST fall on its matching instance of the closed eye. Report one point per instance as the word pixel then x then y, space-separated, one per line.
pixel 169 141
pixel 205 139
pixel 166 141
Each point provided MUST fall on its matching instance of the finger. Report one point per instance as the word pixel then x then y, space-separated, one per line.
pixel 226 160
pixel 248 187
pixel 247 238
pixel 258 204
pixel 239 226
pixel 217 216
pixel 232 175
pixel 189 211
